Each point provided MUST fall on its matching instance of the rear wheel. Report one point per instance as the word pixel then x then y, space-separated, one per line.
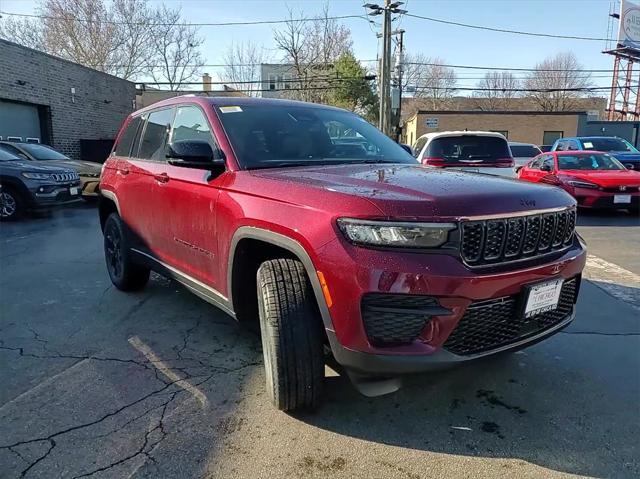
pixel 11 204
pixel 124 273
pixel 292 336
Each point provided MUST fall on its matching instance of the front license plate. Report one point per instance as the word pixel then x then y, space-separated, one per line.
pixel 73 191
pixel 543 297
pixel 621 199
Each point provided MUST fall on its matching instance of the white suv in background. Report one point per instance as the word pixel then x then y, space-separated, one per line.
pixel 523 152
pixel 473 151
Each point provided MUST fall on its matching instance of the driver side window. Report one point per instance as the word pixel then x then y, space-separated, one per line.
pixel 547 163
pixel 536 162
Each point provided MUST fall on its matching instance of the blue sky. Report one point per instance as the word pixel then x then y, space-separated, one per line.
pixel 456 45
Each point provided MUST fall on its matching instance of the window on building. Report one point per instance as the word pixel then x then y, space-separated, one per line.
pixel 549 137
pixel 190 123
pixel 287 81
pixel 502 132
pixel 123 148
pixel 272 81
pixel 154 138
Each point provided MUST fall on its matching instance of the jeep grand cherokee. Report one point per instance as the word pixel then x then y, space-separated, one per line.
pixel 309 220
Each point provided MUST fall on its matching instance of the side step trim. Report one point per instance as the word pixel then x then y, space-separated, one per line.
pixel 197 287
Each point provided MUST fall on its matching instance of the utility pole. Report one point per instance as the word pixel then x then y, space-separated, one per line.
pixel 399 72
pixel 384 93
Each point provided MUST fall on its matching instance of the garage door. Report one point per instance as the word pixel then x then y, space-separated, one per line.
pixel 19 120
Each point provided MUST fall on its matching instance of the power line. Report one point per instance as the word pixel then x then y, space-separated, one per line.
pixel 503 30
pixel 187 24
pixel 476 67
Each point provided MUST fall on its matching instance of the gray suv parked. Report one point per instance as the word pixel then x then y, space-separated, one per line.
pixel 28 185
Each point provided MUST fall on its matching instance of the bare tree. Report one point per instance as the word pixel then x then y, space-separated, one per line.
pixel 429 80
pixel 242 67
pixel 311 47
pixel 496 89
pixel 562 74
pixel 25 31
pixel 121 37
pixel 176 49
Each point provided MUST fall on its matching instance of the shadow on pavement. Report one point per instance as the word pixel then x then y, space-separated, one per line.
pixel 607 218
pixel 564 404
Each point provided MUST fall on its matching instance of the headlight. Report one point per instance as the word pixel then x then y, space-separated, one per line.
pixel 37 176
pixel 583 184
pixel 384 233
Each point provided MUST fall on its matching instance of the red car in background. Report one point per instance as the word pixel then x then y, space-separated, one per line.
pixel 595 179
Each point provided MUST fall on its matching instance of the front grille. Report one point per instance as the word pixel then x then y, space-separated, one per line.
pixel 62 177
pixel 395 319
pixel 488 325
pixel 507 239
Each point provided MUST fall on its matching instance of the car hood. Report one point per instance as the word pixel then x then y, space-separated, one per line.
pixel 415 191
pixel 79 166
pixel 606 178
pixel 33 166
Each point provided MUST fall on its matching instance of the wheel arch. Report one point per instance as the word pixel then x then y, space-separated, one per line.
pixel 108 203
pixel 243 267
pixel 18 185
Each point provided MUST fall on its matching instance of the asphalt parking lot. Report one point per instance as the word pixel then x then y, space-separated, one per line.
pixel 99 383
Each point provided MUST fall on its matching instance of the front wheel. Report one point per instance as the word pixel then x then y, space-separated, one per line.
pixel 124 273
pixel 11 204
pixel 292 336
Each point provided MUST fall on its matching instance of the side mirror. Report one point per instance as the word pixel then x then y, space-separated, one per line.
pixel 407 148
pixel 545 167
pixel 195 154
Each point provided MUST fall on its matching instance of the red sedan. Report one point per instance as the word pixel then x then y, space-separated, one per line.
pixel 593 178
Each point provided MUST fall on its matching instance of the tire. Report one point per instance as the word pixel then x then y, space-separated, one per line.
pixel 292 335
pixel 12 204
pixel 124 273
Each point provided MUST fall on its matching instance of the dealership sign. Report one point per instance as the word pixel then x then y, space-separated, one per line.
pixel 629 30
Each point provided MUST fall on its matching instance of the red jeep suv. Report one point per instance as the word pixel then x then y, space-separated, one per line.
pixel 309 220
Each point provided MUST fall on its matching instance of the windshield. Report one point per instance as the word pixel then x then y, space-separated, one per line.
pixel 271 136
pixel 42 152
pixel 6 156
pixel 588 162
pixel 524 151
pixel 469 149
pixel 607 144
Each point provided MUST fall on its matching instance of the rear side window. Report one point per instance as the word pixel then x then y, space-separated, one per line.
pixel 607 144
pixel 123 148
pixel 524 151
pixel 156 132
pixel 468 148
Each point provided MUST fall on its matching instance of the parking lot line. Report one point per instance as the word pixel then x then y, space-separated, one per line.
pixel 615 280
pixel 161 366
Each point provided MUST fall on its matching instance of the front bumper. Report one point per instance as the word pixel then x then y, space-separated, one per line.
pixel 359 271
pixel 605 200
pixel 393 365
pixel 48 195
pixel 90 186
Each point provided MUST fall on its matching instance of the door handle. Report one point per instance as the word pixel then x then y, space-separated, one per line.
pixel 162 178
pixel 123 171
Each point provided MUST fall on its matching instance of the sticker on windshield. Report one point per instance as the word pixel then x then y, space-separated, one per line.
pixel 587 145
pixel 230 109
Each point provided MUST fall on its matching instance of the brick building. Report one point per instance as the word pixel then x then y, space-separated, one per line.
pixel 538 127
pixel 58 102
